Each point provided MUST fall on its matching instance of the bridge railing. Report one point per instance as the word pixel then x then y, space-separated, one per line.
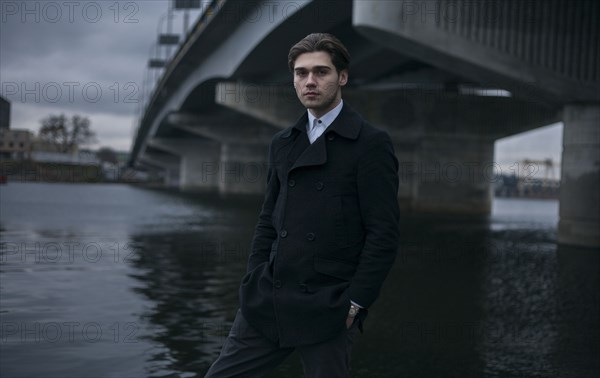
pixel 161 66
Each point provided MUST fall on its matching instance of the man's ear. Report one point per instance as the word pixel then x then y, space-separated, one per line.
pixel 343 79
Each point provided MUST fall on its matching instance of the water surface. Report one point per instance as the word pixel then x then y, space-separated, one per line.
pixel 117 281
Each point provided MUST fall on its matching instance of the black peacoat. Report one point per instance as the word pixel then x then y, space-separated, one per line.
pixel 327 232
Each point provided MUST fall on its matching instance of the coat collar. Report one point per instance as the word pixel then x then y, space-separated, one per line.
pixel 347 124
pixel 302 153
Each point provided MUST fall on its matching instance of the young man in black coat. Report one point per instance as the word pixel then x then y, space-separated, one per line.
pixel 327 233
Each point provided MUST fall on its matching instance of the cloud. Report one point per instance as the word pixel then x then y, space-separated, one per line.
pixel 88 59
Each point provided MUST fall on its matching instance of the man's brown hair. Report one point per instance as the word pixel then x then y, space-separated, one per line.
pixel 321 42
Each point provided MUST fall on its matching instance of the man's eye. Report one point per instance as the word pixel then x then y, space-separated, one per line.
pixel 300 73
pixel 322 72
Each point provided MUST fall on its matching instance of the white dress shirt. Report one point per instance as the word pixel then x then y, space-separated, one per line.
pixel 316 126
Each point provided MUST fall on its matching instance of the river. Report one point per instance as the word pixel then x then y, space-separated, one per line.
pixel 103 280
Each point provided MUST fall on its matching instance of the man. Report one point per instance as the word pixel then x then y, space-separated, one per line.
pixel 327 233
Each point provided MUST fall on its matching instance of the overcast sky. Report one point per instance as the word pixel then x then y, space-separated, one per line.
pixel 89 58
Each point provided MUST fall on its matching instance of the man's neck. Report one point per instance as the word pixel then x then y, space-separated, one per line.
pixel 319 114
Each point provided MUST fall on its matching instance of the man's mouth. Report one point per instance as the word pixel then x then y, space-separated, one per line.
pixel 311 94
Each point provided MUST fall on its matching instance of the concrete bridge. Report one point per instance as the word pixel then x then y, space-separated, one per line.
pixel 444 78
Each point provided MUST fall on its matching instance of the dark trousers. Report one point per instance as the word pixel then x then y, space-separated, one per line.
pixel 246 353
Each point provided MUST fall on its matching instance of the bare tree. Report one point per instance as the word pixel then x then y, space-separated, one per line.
pixel 66 134
pixel 54 130
pixel 80 132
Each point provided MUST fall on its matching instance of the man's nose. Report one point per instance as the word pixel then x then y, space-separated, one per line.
pixel 310 80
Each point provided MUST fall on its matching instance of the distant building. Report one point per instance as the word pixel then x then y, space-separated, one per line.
pixel 22 144
pixel 16 144
pixel 525 187
pixel 4 114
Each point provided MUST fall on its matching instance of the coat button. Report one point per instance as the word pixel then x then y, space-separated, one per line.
pixel 330 136
pixel 304 288
pixel 310 236
pixel 283 233
pixel 319 185
pixel 292 183
pixel 277 284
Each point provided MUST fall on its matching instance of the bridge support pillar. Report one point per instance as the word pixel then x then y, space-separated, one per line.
pixel 168 166
pixel 172 177
pixel 243 168
pixel 198 159
pixel 447 175
pixel 580 182
pixel 198 167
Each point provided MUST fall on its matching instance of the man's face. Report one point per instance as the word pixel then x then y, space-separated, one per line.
pixel 318 84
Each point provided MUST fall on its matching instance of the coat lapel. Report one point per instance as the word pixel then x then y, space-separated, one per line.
pixel 346 124
pixel 303 154
pixel 314 154
pixel 297 147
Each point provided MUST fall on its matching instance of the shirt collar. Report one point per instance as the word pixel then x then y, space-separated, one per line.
pixel 328 118
pixel 348 124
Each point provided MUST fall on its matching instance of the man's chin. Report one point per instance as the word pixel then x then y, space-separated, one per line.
pixel 315 105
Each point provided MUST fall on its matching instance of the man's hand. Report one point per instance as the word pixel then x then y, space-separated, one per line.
pixel 349 321
pixel 352 313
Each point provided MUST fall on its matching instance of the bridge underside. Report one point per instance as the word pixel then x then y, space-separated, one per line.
pixel 423 78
